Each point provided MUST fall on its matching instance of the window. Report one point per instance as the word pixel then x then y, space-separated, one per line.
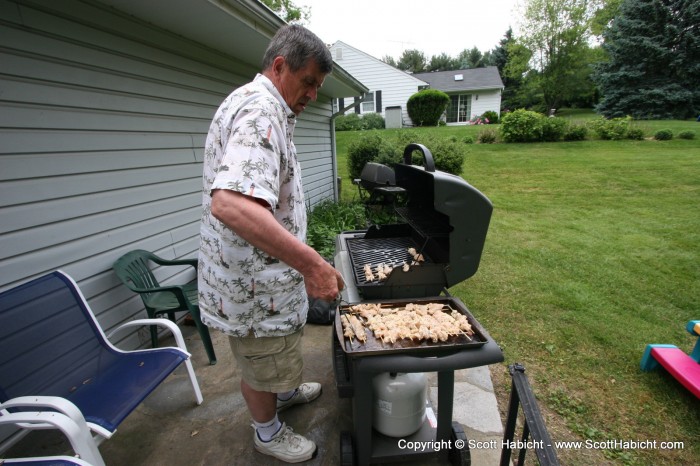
pixel 368 103
pixel 459 110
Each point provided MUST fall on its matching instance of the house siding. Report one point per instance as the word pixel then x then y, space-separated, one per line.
pixel 103 121
pixel 395 85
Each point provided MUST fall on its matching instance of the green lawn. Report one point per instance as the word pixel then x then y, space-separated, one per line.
pixel 593 251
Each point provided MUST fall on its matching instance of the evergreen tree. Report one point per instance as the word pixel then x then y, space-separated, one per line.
pixel 654 61
pixel 412 61
pixel 442 62
pixel 500 56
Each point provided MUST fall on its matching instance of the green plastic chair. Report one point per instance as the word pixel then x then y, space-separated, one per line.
pixel 134 270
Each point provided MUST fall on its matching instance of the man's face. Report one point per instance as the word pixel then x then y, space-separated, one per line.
pixel 298 87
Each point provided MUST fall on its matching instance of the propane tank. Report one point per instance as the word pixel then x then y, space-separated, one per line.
pixel 399 403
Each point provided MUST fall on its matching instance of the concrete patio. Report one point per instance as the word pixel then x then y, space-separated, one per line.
pixel 170 429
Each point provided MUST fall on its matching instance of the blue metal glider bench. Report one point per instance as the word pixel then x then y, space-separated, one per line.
pixel 55 358
pixel 684 368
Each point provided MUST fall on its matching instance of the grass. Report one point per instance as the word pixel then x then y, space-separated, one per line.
pixel 593 251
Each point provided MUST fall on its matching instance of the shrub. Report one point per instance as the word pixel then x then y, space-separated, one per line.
pixel 663 135
pixel 468 140
pixel 448 153
pixel 687 134
pixel 491 116
pixel 349 122
pixel 575 132
pixel 553 129
pixel 635 133
pixel 487 136
pixel 522 126
pixel 373 121
pixel 427 106
pixel 612 129
pixel 328 219
pixel 371 147
pixel 355 122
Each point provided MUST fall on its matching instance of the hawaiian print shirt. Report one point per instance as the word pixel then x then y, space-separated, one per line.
pixel 249 149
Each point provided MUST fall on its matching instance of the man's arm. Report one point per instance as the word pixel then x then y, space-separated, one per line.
pixel 253 222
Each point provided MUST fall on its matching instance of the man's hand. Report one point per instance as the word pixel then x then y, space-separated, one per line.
pixel 323 282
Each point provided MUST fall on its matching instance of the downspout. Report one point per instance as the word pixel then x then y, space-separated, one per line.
pixel 334 154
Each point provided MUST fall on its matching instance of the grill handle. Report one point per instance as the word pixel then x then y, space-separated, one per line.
pixel 428 161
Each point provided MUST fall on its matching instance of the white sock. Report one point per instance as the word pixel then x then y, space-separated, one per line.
pixel 267 430
pixel 287 395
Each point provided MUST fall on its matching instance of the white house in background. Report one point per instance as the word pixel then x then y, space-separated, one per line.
pixel 472 92
pixel 389 87
pixel 104 111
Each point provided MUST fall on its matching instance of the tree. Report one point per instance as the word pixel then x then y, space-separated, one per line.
pixel 288 11
pixel 389 60
pixel 557 32
pixel 412 60
pixel 472 58
pixel 500 58
pixel 442 62
pixel 654 61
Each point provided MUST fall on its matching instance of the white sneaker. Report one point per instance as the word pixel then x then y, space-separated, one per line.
pixel 286 446
pixel 306 393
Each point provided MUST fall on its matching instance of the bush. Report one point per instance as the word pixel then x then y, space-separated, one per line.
pixel 687 134
pixel 427 106
pixel 635 133
pixel 612 129
pixel 373 121
pixel 575 132
pixel 491 116
pixel 355 122
pixel 553 129
pixel 522 126
pixel 349 122
pixel 328 219
pixel 371 147
pixel 468 140
pixel 448 153
pixel 663 135
pixel 487 136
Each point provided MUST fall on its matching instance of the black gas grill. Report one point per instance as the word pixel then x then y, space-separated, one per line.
pixel 445 221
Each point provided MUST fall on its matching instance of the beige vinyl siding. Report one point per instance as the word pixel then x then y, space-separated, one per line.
pixel 103 120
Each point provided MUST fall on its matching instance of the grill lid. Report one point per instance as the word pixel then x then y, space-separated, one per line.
pixel 446 210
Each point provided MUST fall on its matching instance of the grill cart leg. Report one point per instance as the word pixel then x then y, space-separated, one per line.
pixel 347 455
pixel 459 456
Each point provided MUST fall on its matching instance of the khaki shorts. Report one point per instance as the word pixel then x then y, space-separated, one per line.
pixel 269 364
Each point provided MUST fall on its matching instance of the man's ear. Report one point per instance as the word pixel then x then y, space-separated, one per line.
pixel 278 65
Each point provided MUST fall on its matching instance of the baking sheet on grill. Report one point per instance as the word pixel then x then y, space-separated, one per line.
pixel 375 346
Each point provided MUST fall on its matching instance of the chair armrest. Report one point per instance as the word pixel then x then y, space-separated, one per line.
pixel 177 290
pixel 161 261
pixel 68 420
pixel 172 326
pixel 180 343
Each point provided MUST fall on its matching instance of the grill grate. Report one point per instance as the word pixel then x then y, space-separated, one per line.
pixel 373 251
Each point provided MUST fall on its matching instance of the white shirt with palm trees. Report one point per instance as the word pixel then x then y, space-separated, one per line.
pixel 249 149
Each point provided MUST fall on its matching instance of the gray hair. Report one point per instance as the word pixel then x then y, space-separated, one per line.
pixel 297 45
